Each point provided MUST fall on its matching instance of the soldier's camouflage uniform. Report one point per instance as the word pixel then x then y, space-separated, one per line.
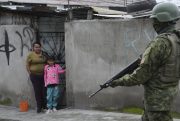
pixel 159 73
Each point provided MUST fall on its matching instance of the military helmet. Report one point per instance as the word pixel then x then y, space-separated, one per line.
pixel 165 12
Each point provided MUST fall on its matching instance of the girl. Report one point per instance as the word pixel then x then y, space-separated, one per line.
pixel 51 79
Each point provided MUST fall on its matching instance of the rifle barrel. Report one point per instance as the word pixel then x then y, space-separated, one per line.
pixel 95 93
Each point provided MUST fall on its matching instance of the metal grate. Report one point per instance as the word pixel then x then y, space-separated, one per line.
pixel 53 44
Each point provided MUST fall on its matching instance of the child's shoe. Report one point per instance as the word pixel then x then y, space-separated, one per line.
pixel 48 111
pixel 54 110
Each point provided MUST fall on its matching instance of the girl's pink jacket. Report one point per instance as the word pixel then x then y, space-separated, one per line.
pixel 51 74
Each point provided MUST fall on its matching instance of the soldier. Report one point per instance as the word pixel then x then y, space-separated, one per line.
pixel 159 70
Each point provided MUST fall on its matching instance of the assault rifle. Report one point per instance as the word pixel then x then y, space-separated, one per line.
pixel 128 70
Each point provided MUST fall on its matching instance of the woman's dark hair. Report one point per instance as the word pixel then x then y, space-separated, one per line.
pixel 37 43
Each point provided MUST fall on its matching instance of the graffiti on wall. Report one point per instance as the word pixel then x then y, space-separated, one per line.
pixel 13 26
pixel 134 35
pixel 27 33
pixel 25 36
pixel 7 48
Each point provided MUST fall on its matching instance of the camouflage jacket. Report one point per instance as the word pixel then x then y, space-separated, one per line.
pixel 158 95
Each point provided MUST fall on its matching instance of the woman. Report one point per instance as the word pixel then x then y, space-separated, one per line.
pixel 35 67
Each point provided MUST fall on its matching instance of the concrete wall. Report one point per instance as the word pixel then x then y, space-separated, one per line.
pixel 16 38
pixel 97 50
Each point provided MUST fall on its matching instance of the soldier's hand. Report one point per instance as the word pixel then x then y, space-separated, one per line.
pixel 104 85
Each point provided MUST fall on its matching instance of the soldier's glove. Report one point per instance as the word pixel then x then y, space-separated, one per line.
pixel 113 84
pixel 104 85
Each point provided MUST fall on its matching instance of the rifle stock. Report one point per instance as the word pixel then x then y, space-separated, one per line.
pixel 128 70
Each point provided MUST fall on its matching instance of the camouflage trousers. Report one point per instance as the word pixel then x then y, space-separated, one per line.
pixel 157 116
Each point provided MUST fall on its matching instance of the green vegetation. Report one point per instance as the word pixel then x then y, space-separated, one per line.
pixel 133 110
pixel 5 101
pixel 137 110
pixel 176 115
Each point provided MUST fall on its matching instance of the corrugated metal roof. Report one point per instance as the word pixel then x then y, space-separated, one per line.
pixel 105 12
pixel 101 10
pixel 120 3
pixel 115 16
pixel 38 1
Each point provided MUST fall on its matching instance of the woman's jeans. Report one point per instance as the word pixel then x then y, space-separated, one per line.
pixel 39 90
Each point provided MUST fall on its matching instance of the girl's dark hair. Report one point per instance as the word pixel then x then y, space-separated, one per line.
pixel 50 58
pixel 37 43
